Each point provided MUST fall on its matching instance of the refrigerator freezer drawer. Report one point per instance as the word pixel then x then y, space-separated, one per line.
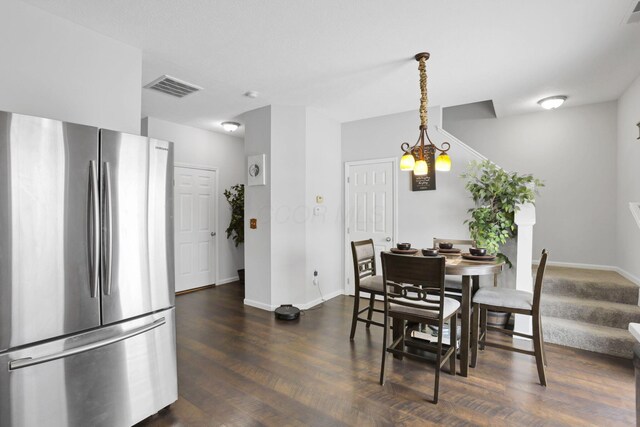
pixel 113 376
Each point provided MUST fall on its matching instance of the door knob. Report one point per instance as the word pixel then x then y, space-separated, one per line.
pixel 388 239
pixel 213 233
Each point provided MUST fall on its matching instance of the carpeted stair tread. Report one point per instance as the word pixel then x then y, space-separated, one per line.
pixel 587 336
pixel 619 292
pixel 602 313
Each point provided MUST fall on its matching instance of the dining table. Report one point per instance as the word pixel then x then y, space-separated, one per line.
pixel 470 270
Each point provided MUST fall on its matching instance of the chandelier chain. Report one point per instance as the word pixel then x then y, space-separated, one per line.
pixel 423 91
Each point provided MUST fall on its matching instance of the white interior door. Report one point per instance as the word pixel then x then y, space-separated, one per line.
pixel 371 209
pixel 195 196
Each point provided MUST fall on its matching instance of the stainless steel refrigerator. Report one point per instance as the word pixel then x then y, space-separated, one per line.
pixel 87 323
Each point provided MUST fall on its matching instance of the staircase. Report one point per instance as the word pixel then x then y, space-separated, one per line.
pixel 589 309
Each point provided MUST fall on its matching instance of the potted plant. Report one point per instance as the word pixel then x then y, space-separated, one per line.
pixel 235 230
pixel 497 195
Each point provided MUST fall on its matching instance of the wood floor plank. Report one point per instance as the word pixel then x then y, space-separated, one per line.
pixel 239 366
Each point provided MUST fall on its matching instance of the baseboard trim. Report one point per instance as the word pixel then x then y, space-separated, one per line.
pixel 257 304
pixel 228 280
pixel 304 306
pixel 188 291
pixel 317 301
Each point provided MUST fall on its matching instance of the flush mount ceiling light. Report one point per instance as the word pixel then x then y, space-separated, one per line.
pixel 414 156
pixel 552 102
pixel 230 126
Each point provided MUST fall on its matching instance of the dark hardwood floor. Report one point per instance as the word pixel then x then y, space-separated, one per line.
pixel 237 365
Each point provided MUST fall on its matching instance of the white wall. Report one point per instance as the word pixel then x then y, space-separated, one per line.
pixel 422 215
pixel 288 219
pixel 54 68
pixel 200 147
pixel 628 157
pixel 573 151
pixel 257 204
pixel 324 231
pixel 303 161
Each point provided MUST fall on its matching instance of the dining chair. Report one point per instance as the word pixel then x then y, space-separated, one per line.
pixel 414 293
pixel 366 280
pixel 515 302
pixel 453 284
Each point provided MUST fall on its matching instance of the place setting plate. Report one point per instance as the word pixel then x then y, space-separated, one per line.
pixel 450 251
pixel 404 251
pixel 468 256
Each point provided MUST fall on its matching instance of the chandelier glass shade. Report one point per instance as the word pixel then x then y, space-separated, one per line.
pixel 413 158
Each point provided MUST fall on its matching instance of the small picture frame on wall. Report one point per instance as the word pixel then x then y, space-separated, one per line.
pixel 256 172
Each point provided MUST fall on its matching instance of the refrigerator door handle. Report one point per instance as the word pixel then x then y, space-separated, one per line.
pixel 94 221
pixel 28 361
pixel 108 235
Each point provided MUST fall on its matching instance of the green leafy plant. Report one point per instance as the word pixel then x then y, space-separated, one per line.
pixel 235 197
pixel 497 194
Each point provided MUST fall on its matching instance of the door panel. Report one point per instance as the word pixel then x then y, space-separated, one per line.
pixel 195 245
pixel 137 225
pixel 46 225
pixel 370 212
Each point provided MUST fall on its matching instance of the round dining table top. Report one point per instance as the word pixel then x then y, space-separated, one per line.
pixel 458 266
pixel 462 267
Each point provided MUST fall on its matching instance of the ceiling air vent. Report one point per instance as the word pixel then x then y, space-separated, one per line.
pixel 172 86
pixel 633 15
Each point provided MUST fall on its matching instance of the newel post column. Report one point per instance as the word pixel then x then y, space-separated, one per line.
pixel 525 219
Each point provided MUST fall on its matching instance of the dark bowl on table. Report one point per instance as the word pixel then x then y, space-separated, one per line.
pixel 430 252
pixel 445 245
pixel 404 246
pixel 478 251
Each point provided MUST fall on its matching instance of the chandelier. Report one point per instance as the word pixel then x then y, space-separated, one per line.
pixel 413 157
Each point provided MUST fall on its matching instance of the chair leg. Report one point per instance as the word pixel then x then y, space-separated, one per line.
pixel 372 300
pixel 537 347
pixel 384 349
pixel 453 342
pixel 544 352
pixel 475 321
pixel 354 319
pixel 483 327
pixel 438 361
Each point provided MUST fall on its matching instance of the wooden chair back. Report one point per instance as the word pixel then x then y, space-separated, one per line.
pixel 537 287
pixel 364 260
pixel 416 282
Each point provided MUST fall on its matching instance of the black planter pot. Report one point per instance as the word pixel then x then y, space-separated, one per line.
pixel 497 319
pixel 241 275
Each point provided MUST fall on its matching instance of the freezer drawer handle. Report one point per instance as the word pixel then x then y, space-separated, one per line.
pixel 28 361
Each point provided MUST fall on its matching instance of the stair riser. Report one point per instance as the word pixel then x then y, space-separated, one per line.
pixel 579 339
pixel 596 315
pixel 594 291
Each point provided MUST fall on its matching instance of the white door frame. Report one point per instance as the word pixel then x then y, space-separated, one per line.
pixel 347 258
pixel 215 213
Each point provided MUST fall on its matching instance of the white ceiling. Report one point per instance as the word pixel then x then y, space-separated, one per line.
pixel 354 59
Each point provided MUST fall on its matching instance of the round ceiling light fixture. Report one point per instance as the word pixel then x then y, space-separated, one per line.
pixel 230 126
pixel 552 102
